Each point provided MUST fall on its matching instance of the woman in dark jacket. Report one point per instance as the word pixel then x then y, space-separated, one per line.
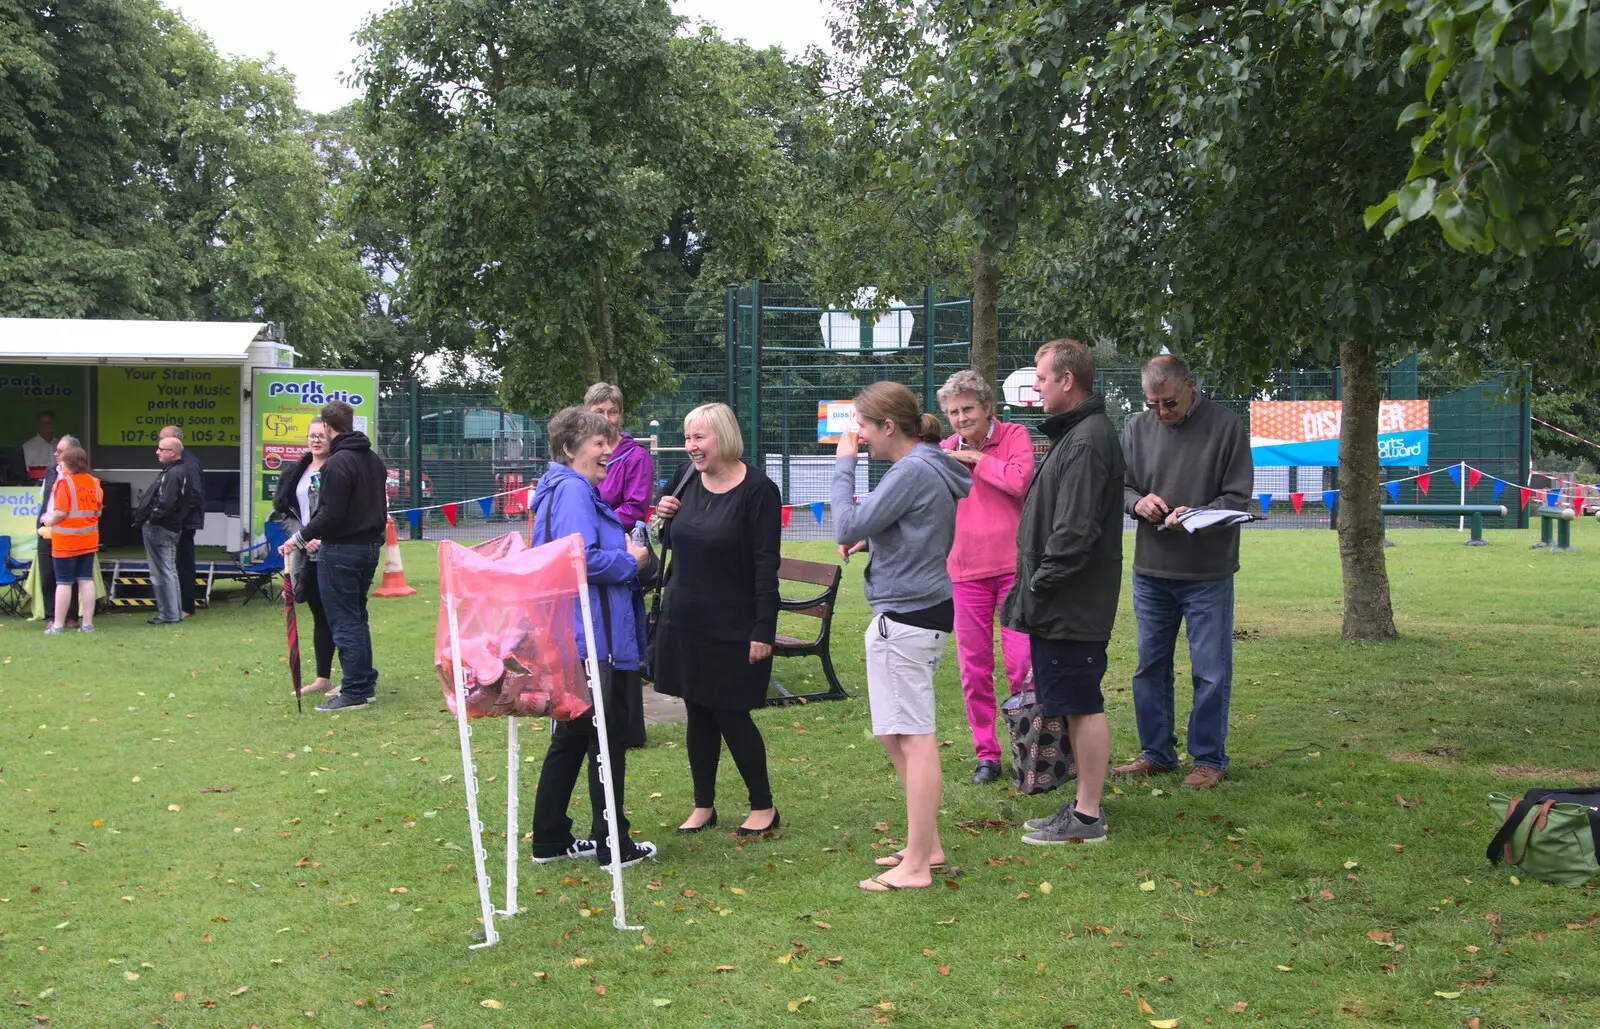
pixel 293 504
pixel 720 610
pixel 566 502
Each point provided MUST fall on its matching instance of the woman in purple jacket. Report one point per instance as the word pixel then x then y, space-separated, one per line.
pixel 631 471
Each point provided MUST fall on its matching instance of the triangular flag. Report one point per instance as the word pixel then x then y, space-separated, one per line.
pixel 1295 499
pixel 1500 487
pixel 1394 491
pixel 1266 501
pixel 1473 475
pixel 816 510
pixel 1423 480
pixel 1329 498
pixel 1455 473
pixel 486 505
pixel 1553 498
pixel 1577 504
pixel 449 513
pixel 527 498
pixel 785 515
pixel 1527 495
pixel 415 518
pixel 649 514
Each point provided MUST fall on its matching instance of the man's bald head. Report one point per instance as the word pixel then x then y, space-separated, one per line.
pixel 171 432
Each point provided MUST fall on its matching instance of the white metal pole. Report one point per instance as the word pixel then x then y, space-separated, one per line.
pixel 1461 471
pixel 592 666
pixel 469 775
pixel 513 825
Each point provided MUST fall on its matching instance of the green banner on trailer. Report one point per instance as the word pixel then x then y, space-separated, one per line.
pixel 286 400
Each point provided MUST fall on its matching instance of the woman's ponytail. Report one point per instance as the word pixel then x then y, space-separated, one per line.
pixel 931 430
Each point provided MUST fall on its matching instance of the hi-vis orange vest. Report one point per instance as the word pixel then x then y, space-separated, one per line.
pixel 79 532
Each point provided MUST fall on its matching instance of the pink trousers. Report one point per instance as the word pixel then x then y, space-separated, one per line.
pixel 977 604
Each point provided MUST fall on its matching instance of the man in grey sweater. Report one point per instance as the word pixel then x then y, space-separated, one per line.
pixel 1185 452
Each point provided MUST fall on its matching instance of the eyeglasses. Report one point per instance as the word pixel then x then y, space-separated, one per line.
pixel 1169 404
pixel 314 436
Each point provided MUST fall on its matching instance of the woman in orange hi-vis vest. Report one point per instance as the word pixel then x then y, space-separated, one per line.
pixel 74 523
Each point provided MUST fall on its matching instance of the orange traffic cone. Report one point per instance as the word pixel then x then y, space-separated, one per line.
pixel 394 577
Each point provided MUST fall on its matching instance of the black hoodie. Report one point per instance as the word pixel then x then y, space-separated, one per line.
pixel 354 506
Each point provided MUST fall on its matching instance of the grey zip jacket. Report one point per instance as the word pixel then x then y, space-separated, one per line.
pixel 909 522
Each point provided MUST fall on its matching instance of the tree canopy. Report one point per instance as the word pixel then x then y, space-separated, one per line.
pixel 144 176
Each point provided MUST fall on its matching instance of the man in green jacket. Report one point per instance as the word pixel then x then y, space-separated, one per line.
pixel 1069 574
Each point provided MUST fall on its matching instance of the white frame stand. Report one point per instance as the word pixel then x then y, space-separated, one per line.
pixel 469 776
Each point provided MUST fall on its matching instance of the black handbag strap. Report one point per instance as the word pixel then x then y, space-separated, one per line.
pixel 666 541
pixel 1515 814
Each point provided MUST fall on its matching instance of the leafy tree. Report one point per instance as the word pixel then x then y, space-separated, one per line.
pixel 537 154
pixel 142 176
pixel 969 93
pixel 1504 151
pixel 1232 160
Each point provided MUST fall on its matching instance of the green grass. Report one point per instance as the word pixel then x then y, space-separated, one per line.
pixel 118 863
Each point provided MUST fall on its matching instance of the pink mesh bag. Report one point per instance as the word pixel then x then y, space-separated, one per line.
pixel 516 615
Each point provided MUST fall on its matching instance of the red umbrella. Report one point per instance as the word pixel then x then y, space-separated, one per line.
pixel 292 626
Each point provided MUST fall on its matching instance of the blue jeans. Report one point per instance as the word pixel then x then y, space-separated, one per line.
pixel 161 550
pixel 344 574
pixel 1206 608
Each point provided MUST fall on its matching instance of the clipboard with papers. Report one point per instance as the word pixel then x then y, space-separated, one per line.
pixel 1197 519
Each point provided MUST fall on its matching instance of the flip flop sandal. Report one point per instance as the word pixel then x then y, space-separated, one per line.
pixel 883 886
pixel 899 856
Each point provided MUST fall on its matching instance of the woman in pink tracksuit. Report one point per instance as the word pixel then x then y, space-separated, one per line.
pixel 983 560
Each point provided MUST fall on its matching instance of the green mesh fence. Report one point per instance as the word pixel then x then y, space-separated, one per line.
pixel 788 355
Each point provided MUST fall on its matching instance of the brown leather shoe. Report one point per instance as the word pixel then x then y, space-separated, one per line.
pixel 1204 777
pixel 1139 766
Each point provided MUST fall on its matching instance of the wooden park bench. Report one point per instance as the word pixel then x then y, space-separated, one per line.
pixel 818 606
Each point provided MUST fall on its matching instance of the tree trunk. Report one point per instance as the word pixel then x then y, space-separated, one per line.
pixel 1367 614
pixel 985 317
pixel 605 332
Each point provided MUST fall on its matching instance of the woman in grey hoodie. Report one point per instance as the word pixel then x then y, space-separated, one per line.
pixel 909 524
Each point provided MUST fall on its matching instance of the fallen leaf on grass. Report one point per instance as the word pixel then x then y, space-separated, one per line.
pixel 884 1005
pixel 1144 1006
pixel 1447 994
pixel 726 968
pixel 943 969
pixel 240 992
pixel 736 891
pixel 1471 1023
pixel 662 1002
pixel 1379 936
pixel 174 807
pixel 831 961
pixel 1045 887
pixel 1164 1023
pixel 1472 949
pixel 1148 886
pixel 179 997
pixel 796 1005
pixel 492 1005
pixel 1238 1008
pixel 881 827
pixel 580 962
pixel 822 925
pixel 1286 968
pixel 130 976
pixel 1403 802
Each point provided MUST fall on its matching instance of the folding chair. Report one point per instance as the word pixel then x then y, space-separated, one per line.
pixel 13 582
pixel 260 577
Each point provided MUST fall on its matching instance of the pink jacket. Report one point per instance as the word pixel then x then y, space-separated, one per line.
pixel 987 518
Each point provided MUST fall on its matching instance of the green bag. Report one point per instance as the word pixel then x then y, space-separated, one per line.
pixel 1552 835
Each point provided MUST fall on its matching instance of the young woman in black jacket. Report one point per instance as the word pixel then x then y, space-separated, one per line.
pixel 293 504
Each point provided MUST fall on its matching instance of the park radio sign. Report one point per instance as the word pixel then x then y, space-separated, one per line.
pixel 1306 433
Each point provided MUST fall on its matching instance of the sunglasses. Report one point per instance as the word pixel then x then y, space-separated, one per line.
pixel 1169 404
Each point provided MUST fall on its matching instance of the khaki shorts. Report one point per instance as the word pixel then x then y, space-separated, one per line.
pixel 901 663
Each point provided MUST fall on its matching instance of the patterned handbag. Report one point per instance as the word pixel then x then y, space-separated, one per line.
pixel 1041 755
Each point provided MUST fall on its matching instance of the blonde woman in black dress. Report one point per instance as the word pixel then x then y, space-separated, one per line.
pixel 720 610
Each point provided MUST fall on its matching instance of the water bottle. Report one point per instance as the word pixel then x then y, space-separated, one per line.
pixel 640 534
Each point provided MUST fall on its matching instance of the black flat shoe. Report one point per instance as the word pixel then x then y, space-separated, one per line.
pixel 772 826
pixel 685 830
pixel 988 772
